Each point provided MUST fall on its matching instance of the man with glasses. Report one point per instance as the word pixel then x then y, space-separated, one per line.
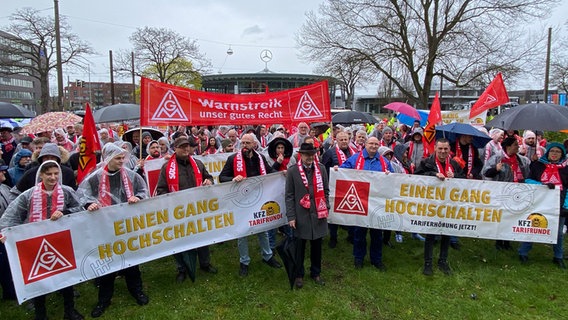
pixel 248 163
pixel 298 138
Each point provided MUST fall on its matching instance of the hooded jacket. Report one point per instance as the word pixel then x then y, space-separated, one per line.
pixel 17 171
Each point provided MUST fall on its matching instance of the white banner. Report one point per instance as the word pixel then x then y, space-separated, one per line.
pixel 214 163
pixel 460 207
pixel 47 256
pixel 462 116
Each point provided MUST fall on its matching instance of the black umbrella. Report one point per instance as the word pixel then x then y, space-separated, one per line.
pixel 353 117
pixel 288 253
pixel 533 116
pixel 453 130
pixel 127 136
pixel 117 113
pixel 8 110
pixel 188 259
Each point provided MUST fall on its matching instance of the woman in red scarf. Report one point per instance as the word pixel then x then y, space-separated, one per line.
pixel 48 200
pixel 212 147
pixel 550 170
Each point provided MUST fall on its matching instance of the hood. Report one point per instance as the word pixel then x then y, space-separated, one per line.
pixel 550 145
pixel 288 148
pixel 399 150
pixel 22 153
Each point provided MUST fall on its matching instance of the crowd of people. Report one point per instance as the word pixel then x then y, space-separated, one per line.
pixel 44 167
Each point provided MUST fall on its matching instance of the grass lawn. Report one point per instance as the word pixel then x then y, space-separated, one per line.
pixel 502 288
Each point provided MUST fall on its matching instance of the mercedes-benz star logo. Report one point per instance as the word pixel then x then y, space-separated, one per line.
pixel 265 55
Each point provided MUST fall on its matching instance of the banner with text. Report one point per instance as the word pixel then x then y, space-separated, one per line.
pixel 165 104
pixel 460 207
pixel 50 255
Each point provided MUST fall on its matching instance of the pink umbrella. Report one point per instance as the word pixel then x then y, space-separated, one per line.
pixel 403 108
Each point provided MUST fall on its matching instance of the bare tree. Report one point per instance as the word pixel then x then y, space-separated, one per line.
pixel 166 56
pixel 30 49
pixel 467 39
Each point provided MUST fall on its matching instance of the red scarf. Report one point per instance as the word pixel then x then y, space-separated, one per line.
pixel 240 168
pixel 384 144
pixel 552 175
pixel 444 169
pixel 263 141
pixel 341 157
pixel 8 144
pixel 321 205
pixel 284 163
pixel 172 173
pixel 459 157
pixel 38 208
pixel 104 188
pixel 424 150
pixel 360 163
pixel 149 157
pixel 514 163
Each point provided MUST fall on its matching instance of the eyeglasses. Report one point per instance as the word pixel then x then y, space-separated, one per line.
pixel 554 151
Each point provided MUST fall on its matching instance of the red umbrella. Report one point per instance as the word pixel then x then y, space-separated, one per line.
pixel 51 121
pixel 403 108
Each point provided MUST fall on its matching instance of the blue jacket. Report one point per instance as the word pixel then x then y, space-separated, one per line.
pixel 371 164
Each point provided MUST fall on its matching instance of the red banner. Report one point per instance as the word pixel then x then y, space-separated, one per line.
pixel 165 104
pixel 434 118
pixel 88 144
pixel 493 96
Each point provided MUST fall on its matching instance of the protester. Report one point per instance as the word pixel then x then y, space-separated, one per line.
pixel 297 138
pixel 8 144
pixel 227 146
pixel 48 199
pixel 494 146
pixel 61 139
pixel 239 166
pixel 550 171
pixel 182 172
pixel 336 156
pixel 6 197
pixel 417 149
pixel 439 165
pixel 212 147
pixel 530 148
pixel 112 184
pixel 21 160
pixel 368 159
pixel 307 205
pixel 165 150
pixel 49 151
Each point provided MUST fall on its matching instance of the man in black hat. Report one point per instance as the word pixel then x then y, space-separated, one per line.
pixel 307 205
pixel 187 173
pixel 248 163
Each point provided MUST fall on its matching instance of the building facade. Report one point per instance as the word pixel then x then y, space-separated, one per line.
pixel 98 94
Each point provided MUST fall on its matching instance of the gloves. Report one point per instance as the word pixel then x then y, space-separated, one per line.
pixel 551 186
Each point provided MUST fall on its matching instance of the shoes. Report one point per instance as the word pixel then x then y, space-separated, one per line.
pixel 209 269
pixel 181 277
pixel 141 298
pixel 319 281
pixel 524 259
pixel 428 269
pixel 299 283
pixel 244 271
pixel 455 245
pixel 398 238
pixel 381 266
pixel 72 314
pixel 358 264
pixel 332 243
pixel 417 236
pixel 98 310
pixel 273 263
pixel 444 267
pixel 559 262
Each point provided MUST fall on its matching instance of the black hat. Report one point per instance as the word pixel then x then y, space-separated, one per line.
pixel 307 148
pixel 26 139
pixel 183 140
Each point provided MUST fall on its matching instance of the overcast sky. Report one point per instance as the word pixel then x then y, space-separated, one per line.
pixel 247 26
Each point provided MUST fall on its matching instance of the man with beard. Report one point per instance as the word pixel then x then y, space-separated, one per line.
pixel 336 156
pixel 182 172
pixel 388 139
pixel 530 148
pixel 239 166
pixel 439 165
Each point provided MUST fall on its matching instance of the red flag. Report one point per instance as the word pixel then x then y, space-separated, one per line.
pixel 434 118
pixel 493 96
pixel 87 146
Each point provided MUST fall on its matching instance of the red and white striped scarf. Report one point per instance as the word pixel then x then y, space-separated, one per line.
pixel 321 205
pixel 104 186
pixel 172 173
pixel 240 168
pixel 38 208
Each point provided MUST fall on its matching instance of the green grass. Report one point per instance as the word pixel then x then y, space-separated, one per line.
pixel 504 288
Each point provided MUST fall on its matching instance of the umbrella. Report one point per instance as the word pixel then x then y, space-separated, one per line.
pixel 453 130
pixel 402 118
pixel 117 113
pixel 51 121
pixel 8 110
pixel 287 251
pixel 127 136
pixel 188 259
pixel 353 117
pixel 533 116
pixel 403 108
